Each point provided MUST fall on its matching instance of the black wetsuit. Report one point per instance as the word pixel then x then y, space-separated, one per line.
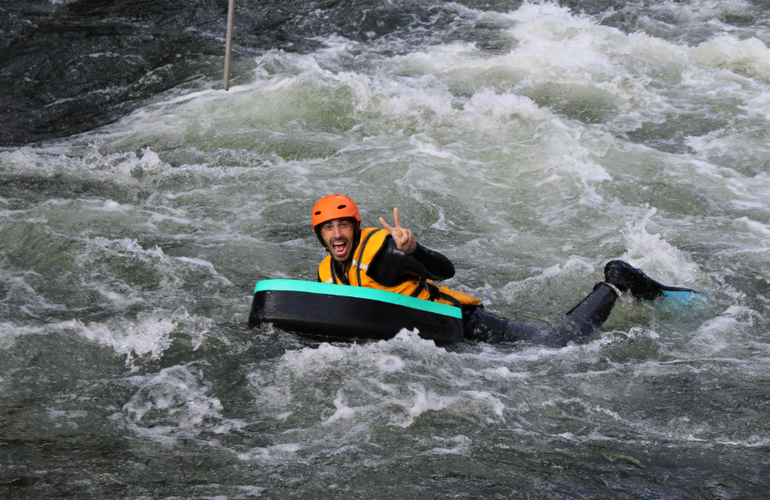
pixel 390 267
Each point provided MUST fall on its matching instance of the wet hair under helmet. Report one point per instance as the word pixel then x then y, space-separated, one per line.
pixel 336 206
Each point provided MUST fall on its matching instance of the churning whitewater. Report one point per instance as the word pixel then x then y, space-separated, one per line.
pixel 528 142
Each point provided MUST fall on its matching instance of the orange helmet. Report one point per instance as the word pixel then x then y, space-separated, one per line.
pixel 334 206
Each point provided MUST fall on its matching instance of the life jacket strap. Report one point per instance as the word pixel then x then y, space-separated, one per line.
pixel 435 293
pixel 357 262
pixel 420 288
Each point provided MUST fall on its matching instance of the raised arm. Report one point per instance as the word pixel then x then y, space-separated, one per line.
pixel 396 262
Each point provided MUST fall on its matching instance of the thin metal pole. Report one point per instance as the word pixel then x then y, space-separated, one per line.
pixel 229 43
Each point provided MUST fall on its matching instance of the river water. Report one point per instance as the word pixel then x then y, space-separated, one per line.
pixel 529 142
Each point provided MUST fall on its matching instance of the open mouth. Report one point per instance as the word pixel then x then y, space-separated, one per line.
pixel 340 248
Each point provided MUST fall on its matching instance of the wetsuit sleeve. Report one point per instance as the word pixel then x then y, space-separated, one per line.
pixel 391 266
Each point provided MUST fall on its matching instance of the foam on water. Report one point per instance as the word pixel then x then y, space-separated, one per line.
pixel 328 399
pixel 332 396
pixel 173 405
pixel 148 335
pixel 657 256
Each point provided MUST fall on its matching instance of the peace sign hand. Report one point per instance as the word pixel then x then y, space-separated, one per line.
pixel 404 238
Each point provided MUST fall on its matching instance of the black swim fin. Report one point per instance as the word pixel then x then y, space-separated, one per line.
pixel 627 278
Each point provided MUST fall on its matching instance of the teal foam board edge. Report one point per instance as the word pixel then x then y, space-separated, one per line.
pixel 288 285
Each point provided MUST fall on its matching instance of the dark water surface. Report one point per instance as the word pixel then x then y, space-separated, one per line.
pixel 68 67
pixel 71 66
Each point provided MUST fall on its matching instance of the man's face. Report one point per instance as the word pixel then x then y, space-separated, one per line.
pixel 337 234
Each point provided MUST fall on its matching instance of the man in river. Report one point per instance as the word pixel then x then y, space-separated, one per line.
pixel 389 258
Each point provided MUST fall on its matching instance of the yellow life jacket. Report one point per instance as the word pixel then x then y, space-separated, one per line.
pixel 370 242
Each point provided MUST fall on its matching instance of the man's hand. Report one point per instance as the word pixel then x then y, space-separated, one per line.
pixel 404 238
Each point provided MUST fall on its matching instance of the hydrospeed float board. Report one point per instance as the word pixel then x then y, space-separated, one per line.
pixel 348 312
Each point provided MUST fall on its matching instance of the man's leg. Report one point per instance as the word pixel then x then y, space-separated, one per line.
pixel 483 326
pixel 589 314
pixel 581 321
pixel 576 325
pixel 593 311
